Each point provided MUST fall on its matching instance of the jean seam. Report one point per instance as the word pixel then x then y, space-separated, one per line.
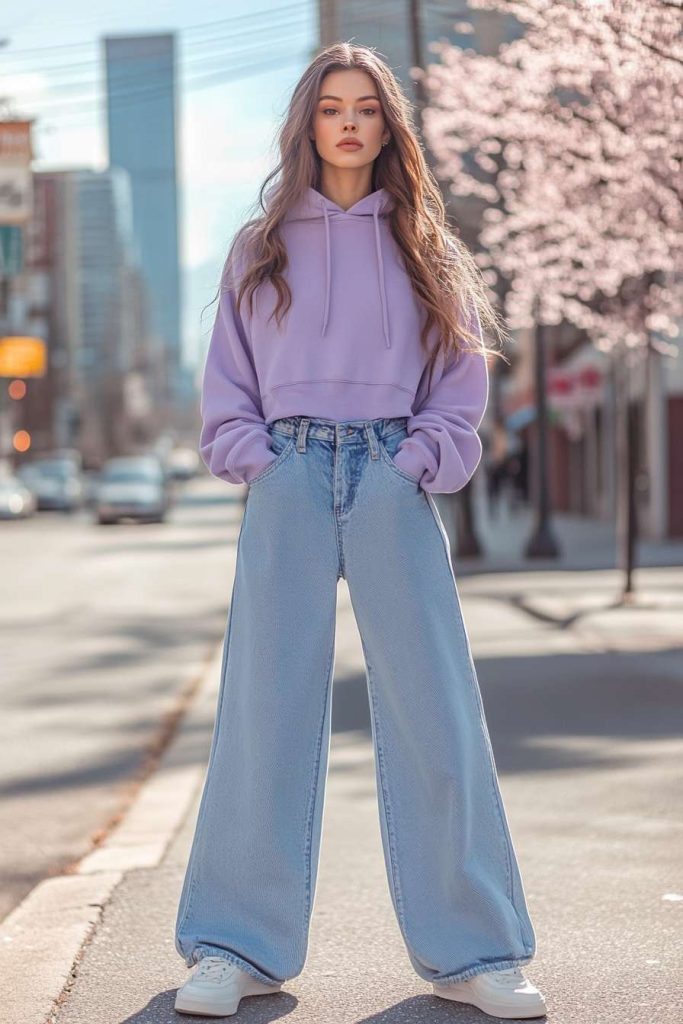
pixel 282 457
pixel 313 792
pixel 214 745
pixel 393 856
pixel 390 433
pixel 336 511
pixel 477 695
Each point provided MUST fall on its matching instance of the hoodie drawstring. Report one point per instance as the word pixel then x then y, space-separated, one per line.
pixel 380 271
pixel 328 272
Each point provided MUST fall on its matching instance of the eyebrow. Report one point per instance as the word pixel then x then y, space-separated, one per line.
pixel 360 98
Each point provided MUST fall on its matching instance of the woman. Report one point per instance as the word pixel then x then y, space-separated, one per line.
pixel 344 386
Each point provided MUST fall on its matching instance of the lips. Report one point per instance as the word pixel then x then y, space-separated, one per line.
pixel 349 144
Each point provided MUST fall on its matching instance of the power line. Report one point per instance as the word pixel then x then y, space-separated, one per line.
pixel 267 12
pixel 204 82
pixel 122 96
pixel 193 47
pixel 140 76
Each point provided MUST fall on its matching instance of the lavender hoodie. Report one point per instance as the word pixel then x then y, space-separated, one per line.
pixel 348 349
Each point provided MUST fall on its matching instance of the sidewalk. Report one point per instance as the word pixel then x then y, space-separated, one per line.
pixel 581 588
pixel 584 543
pixel 584 708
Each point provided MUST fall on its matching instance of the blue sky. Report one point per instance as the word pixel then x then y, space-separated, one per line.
pixel 51 69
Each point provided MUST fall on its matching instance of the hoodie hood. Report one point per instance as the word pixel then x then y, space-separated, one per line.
pixel 313 205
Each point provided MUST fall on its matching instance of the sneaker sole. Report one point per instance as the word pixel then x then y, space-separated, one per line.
pixel 513 1013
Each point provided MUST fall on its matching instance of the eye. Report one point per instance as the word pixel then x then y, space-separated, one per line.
pixel 325 109
pixel 370 110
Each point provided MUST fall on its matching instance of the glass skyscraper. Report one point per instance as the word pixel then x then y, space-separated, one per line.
pixel 141 122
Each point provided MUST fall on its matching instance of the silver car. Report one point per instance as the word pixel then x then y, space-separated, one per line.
pixel 132 487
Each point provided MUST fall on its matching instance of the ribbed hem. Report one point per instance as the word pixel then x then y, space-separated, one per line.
pixel 199 952
pixel 337 400
pixel 482 968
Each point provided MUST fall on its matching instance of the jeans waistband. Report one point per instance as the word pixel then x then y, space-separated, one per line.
pixel 339 431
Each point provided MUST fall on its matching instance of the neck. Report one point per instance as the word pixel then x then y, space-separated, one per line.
pixel 343 188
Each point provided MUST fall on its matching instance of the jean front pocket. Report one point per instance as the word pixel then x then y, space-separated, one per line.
pixel 388 447
pixel 282 445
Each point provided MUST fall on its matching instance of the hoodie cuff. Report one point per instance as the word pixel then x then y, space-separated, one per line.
pixel 410 461
pixel 250 460
pixel 252 472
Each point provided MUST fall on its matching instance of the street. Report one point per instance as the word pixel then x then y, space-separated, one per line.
pixel 101 629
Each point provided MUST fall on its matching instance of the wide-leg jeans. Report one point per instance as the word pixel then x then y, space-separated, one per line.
pixel 333 505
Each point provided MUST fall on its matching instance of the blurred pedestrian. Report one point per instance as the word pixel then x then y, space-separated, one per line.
pixel 496 465
pixel 516 469
pixel 322 394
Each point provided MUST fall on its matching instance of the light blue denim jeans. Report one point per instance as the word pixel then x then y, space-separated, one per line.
pixel 334 504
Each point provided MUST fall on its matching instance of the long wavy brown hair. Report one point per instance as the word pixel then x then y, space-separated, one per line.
pixel 443 271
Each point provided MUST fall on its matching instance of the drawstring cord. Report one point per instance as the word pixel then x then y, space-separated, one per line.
pixel 380 271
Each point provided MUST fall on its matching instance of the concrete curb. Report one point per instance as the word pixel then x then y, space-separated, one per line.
pixel 42 939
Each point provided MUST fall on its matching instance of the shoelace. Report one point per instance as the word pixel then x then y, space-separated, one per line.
pixel 213 968
pixel 509 976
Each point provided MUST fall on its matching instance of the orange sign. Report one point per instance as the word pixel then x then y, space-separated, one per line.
pixel 16 183
pixel 22 357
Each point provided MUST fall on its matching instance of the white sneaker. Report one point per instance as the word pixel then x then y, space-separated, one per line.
pixel 505 993
pixel 216 987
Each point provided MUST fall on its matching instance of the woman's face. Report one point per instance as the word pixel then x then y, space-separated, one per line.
pixel 349 108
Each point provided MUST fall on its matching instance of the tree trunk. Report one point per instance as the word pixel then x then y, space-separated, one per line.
pixel 626 452
pixel 542 543
pixel 468 544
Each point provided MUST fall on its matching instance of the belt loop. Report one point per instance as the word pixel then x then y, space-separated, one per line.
pixel 372 439
pixel 301 435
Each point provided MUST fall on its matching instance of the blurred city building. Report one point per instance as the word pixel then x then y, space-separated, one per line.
pixel 89 268
pixel 141 130
pixel 84 284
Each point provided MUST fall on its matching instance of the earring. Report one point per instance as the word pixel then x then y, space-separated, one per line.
pixel 385 143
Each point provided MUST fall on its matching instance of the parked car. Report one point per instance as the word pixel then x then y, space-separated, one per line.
pixel 16 500
pixel 54 480
pixel 132 487
pixel 72 455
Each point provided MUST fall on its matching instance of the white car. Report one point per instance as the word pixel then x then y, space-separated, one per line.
pixel 16 500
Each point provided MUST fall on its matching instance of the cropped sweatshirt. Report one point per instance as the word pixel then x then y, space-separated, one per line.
pixel 348 348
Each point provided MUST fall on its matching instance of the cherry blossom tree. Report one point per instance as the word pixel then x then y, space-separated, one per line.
pixel 571 136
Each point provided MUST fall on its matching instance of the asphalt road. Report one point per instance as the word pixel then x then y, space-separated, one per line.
pixel 101 629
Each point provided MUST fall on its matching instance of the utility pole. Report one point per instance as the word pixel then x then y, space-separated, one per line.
pixel 416 58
